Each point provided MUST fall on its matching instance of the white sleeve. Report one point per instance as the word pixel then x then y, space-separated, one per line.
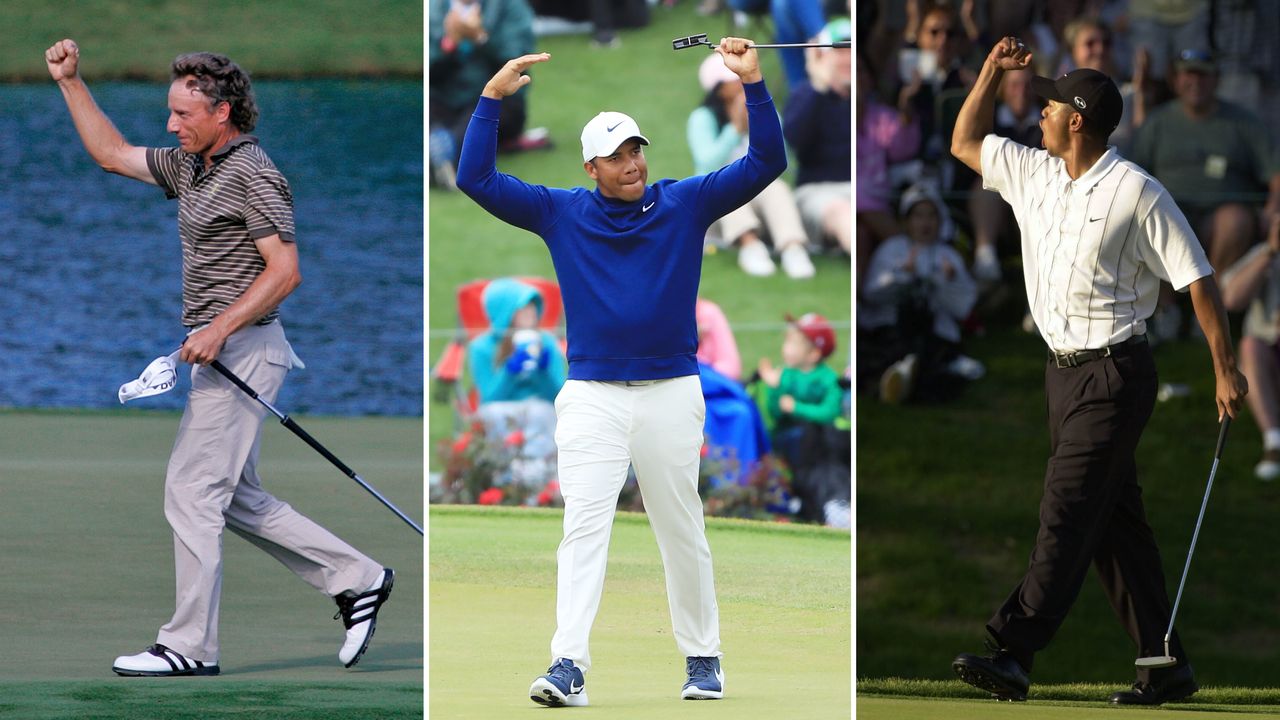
pixel 1169 247
pixel 1007 168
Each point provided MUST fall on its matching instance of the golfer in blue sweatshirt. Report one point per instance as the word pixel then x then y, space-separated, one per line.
pixel 628 256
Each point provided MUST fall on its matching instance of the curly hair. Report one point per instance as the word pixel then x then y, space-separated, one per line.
pixel 220 80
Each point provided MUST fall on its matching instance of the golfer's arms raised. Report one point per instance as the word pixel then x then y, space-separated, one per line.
pixel 977 116
pixel 1230 384
pixel 105 144
pixel 278 279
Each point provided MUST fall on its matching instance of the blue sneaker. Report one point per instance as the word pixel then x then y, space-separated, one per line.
pixel 562 685
pixel 706 679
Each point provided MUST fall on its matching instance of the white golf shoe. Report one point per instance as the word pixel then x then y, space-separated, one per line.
pixel 796 263
pixel 359 613
pixel 160 661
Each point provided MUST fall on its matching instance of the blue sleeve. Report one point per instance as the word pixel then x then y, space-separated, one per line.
pixel 507 198
pixel 713 195
pixel 709 145
pixel 492 381
pixel 800 120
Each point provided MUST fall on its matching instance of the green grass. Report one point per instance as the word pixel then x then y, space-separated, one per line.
pixel 783 594
pixel 282 38
pixel 89 573
pixel 659 88
pixel 872 707
pixel 947 514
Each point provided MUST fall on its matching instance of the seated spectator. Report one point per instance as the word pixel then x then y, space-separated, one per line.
pixel 915 294
pixel 1018 118
pixel 716 346
pixel 605 16
pixel 1090 43
pixel 816 124
pixel 795 21
pixel 518 370
pixel 469 41
pixel 933 60
pixel 804 390
pixel 1213 156
pixel 886 136
pixel 717 133
pixel 1254 283
pixel 735 433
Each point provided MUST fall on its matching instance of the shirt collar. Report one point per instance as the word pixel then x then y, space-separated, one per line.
pixel 232 144
pixel 1095 174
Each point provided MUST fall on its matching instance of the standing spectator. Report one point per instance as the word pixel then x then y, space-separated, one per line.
pixel 1254 283
pixel 716 346
pixel 1090 44
pixel 816 123
pixel 1167 27
pixel 886 136
pixel 935 59
pixel 795 21
pixel 717 133
pixel 1214 157
pixel 469 41
pixel 518 370
pixel 915 294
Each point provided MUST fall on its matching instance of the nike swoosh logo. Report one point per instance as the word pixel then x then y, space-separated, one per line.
pixel 615 127
pixel 646 207
pixel 575 688
pixel 1094 219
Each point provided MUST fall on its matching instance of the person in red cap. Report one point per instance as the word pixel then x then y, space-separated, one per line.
pixel 804 390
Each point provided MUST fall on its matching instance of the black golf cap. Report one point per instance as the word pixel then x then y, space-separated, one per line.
pixel 1091 93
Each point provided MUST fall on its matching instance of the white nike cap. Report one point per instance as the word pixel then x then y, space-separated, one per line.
pixel 606 132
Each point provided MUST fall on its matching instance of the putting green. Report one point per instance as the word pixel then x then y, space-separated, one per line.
pixel 783 593
pixel 88 575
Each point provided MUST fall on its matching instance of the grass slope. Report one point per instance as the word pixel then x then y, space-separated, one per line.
pixel 659 88
pixel 89 572
pixel 783 594
pixel 947 514
pixel 282 38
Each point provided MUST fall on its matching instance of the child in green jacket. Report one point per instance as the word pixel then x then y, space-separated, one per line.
pixel 804 390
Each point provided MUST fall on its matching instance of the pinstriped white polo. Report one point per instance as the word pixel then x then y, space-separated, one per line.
pixel 1095 249
pixel 221 212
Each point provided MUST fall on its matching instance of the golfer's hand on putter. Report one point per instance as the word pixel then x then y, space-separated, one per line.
pixel 63 60
pixel 740 58
pixel 203 346
pixel 511 77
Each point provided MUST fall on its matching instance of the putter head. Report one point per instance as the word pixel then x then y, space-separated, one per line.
pixel 691 41
pixel 1159 661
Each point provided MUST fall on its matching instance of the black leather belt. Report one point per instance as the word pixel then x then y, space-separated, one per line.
pixel 1080 357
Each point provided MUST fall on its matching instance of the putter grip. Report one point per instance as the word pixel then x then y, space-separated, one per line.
pixel 1222 436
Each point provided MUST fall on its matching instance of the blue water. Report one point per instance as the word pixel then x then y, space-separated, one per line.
pixel 90 285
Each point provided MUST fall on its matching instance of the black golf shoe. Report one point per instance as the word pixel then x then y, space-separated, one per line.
pixel 1168 686
pixel 998 673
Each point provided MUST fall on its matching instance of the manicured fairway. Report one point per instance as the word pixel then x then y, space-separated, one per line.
pixel 88 573
pixel 784 611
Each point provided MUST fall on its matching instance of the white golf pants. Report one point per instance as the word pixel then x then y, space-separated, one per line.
pixel 603 427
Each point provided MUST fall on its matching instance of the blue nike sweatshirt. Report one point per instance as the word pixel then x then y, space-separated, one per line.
pixel 628 271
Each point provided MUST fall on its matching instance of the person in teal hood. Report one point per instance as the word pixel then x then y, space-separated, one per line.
pixel 517 368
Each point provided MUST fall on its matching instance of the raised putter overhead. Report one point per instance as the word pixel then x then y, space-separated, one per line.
pixel 701 39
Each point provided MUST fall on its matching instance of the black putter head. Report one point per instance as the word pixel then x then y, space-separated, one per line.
pixel 691 41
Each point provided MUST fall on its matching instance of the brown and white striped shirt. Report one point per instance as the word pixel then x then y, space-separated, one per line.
pixel 221 212
pixel 1095 249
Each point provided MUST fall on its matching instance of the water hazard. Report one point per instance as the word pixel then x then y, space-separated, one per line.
pixel 90 286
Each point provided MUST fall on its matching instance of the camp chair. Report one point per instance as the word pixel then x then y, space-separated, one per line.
pixel 472 321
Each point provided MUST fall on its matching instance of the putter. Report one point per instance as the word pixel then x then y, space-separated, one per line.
pixel 701 39
pixel 1168 660
pixel 288 422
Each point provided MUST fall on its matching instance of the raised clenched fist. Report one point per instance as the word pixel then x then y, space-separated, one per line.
pixel 63 59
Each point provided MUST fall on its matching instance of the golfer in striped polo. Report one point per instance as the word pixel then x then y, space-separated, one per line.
pixel 1099 234
pixel 628 256
pixel 239 261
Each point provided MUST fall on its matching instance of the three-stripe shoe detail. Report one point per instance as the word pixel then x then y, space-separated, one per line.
pixel 359 614
pixel 706 679
pixel 562 685
pixel 160 661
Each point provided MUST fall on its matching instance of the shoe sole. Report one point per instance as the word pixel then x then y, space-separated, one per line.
pixel 123 672
pixel 983 681
pixel 373 621
pixel 700 694
pixel 545 693
pixel 1180 693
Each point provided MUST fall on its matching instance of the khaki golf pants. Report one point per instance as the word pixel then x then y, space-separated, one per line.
pixel 602 428
pixel 212 482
